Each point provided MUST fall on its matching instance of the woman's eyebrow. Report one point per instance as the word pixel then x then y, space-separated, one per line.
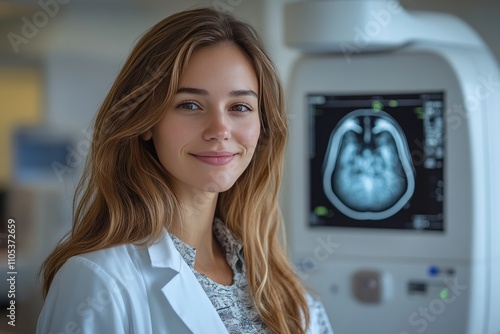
pixel 189 90
pixel 243 92
pixel 204 92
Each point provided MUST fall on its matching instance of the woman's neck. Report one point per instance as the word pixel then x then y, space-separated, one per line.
pixel 197 216
pixel 198 211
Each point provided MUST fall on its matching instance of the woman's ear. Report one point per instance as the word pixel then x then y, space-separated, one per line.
pixel 147 135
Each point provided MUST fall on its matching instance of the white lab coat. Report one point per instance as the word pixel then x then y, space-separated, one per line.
pixel 129 289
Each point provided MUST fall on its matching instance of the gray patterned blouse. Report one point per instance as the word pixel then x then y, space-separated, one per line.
pixel 232 302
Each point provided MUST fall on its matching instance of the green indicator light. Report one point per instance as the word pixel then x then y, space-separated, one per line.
pixel 393 103
pixel 420 112
pixel 377 106
pixel 445 293
pixel 321 211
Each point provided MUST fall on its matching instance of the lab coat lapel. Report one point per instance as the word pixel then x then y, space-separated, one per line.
pixel 183 291
pixel 191 303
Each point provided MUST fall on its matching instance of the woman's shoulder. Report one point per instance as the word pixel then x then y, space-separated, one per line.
pixel 110 256
pixel 112 265
pixel 125 264
pixel 91 291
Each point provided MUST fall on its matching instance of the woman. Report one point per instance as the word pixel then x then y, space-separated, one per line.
pixel 176 225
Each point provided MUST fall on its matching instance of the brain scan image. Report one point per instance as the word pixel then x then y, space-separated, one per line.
pixel 367 170
pixel 377 160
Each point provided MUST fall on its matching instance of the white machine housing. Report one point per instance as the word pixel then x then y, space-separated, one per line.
pixel 432 281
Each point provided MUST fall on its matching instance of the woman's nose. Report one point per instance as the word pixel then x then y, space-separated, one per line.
pixel 217 127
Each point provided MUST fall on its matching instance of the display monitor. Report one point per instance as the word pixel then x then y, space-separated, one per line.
pixel 42 154
pixel 377 160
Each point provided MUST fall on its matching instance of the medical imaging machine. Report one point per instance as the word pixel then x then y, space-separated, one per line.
pixel 393 193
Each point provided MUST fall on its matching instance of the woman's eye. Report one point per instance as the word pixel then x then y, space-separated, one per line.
pixel 188 106
pixel 240 108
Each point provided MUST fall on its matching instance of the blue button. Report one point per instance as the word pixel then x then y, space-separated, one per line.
pixel 433 271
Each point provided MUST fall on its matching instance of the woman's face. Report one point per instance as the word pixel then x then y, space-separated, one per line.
pixel 208 135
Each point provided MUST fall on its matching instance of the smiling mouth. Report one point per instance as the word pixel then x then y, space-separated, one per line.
pixel 215 158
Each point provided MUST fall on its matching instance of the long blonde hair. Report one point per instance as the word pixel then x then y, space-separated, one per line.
pixel 125 194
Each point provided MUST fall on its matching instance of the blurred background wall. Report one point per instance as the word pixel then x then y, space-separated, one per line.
pixel 58 58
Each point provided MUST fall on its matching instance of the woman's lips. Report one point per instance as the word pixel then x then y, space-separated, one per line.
pixel 215 158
